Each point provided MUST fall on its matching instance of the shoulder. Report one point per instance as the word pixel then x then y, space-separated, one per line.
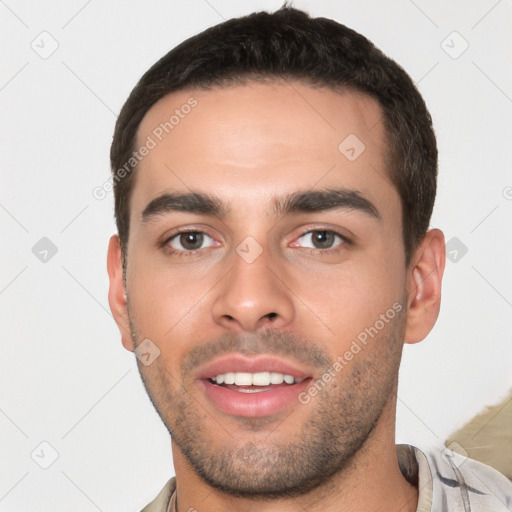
pixel 460 483
pixel 160 503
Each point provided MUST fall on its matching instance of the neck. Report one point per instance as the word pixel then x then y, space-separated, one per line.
pixel 371 481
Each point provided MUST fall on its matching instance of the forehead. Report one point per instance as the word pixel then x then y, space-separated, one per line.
pixel 250 141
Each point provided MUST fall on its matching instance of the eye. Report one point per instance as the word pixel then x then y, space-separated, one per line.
pixel 320 239
pixel 190 241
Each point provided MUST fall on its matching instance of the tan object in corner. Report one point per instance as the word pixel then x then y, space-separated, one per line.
pixel 488 437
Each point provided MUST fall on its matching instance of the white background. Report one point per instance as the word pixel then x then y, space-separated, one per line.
pixel 64 376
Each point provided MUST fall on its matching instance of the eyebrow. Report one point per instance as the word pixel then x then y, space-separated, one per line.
pixel 328 199
pixel 193 202
pixel 308 201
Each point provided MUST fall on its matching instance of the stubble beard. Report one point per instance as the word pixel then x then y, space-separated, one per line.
pixel 340 420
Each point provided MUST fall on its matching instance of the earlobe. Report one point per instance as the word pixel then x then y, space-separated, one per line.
pixel 117 292
pixel 425 276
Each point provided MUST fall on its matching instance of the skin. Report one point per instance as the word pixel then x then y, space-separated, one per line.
pixel 247 145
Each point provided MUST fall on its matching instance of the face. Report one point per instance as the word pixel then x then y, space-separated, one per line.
pixel 266 263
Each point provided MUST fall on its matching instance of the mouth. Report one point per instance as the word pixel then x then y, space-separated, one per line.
pixel 253 387
pixel 254 382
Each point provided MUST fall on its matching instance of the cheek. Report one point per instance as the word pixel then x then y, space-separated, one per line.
pixel 164 302
pixel 351 298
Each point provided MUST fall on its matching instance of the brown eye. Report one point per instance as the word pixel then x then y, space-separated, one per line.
pixel 189 241
pixel 321 239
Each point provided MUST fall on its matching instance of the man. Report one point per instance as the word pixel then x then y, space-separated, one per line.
pixel 274 180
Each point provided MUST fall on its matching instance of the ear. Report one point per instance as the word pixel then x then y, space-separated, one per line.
pixel 117 291
pixel 424 278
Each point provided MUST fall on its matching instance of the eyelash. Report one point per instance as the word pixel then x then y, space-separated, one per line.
pixel 176 252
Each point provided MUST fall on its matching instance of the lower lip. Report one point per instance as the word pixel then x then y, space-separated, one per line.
pixel 253 405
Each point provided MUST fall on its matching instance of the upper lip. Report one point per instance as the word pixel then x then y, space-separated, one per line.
pixel 261 363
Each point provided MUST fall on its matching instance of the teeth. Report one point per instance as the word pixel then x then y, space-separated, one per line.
pixel 243 379
pixel 260 379
pixel 229 378
pixel 288 379
pixel 255 379
pixel 276 378
pixel 251 390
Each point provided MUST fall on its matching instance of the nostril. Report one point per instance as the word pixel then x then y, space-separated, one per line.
pixel 270 316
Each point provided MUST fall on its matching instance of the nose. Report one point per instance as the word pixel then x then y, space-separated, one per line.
pixel 253 296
